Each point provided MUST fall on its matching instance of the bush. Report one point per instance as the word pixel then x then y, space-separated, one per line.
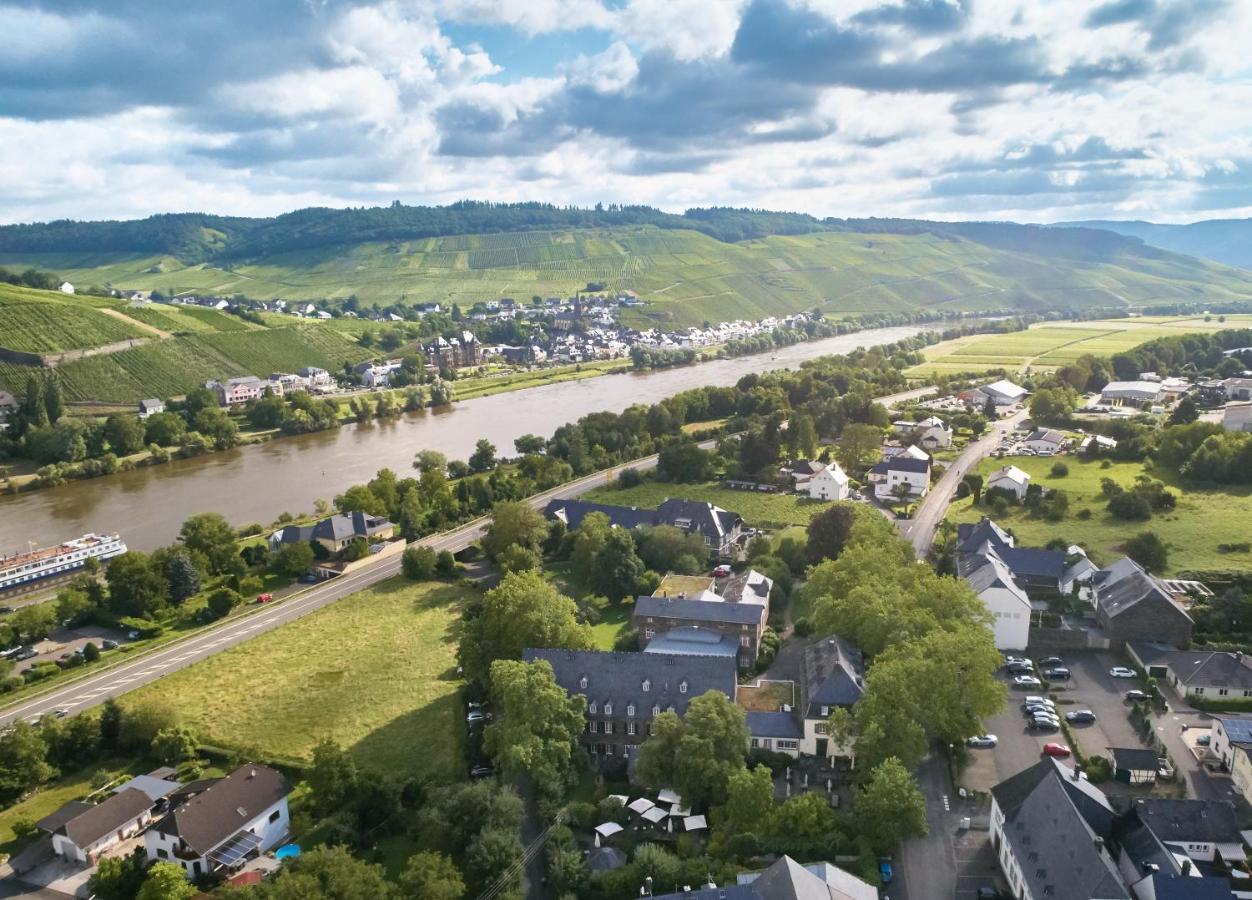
pixel 1084 514
pixel 1098 769
pixel 629 478
pixel 1059 470
pixel 419 563
pixel 1130 506
pixel 1240 547
pixel 803 627
pixel 445 564
pixel 1147 549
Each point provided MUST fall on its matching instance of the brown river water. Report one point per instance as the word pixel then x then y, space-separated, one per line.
pixel 258 483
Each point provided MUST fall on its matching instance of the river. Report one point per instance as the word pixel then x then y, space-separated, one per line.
pixel 258 483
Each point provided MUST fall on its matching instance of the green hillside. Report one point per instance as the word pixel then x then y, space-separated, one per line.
pixel 688 276
pixel 43 322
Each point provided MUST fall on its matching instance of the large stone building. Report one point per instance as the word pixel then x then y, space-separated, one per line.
pixel 1133 605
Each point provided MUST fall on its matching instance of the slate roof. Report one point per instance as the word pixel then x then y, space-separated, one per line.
pixel 69 811
pixel 699 610
pixel 572 512
pixel 706 518
pixel 747 587
pixel 774 725
pixel 152 785
pixel 970 536
pixel 1049 435
pixel 834 675
pixel 84 824
pixel 1034 562
pixel 709 520
pixel 902 464
pixel 985 571
pixel 1136 759
pixel 1051 821
pixel 786 879
pixel 225 806
pixel 1238 728
pixel 339 527
pixel 1190 821
pixel 618 678
pixel 1204 668
pixel 1123 585
pixel 150 405
pixel 1186 887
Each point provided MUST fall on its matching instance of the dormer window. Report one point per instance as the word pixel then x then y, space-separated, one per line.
pixel 647 685
pixel 682 687
pixel 630 709
pixel 608 708
pixel 582 682
pixel 591 707
pixel 670 708
pixel 656 711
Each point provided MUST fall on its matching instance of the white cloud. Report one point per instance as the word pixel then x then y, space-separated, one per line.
pixel 688 29
pixel 529 16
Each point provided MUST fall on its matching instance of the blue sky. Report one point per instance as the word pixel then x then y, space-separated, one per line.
pixel 1033 110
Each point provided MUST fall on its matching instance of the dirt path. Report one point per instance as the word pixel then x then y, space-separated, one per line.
pixel 142 326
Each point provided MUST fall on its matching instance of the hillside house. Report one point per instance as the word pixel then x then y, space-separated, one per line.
pixel 336 532
pixel 1011 479
pixel 238 390
pixel 626 691
pixel 150 407
pixel 1237 416
pixel 902 477
pixel 66 288
pixel 828 483
pixel 218 824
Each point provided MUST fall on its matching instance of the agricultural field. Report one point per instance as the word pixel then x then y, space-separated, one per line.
pixel 1202 520
pixel 42 322
pixel 761 510
pixel 686 277
pixel 182 320
pixel 1047 346
pixel 375 671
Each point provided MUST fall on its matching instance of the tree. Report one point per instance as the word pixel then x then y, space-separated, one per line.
pixel 174 745
pixel 664 548
pixel 617 568
pixel 34 622
pixel 430 461
pixel 294 559
pixel 332 777
pixel 118 877
pixel 490 853
pixel 749 804
pixel 210 535
pixel 890 807
pixel 1053 406
pixel 125 433
pixel 218 426
pixel 418 563
pixel 359 498
pixel 136 588
pixel 859 446
pixel 328 873
pixel 528 444
pixel 222 601
pixel 514 524
pixel 519 559
pixel 432 876
pixel 989 410
pixel 973 481
pixel 23 761
pixel 182 576
pixel 802 435
pixel 110 725
pixel 697 754
pixel 53 401
pixel 590 538
pixel 537 731
pixel 1149 551
pixel 524 610
pixel 684 461
pixel 483 459
pixel 829 531
pixel 165 429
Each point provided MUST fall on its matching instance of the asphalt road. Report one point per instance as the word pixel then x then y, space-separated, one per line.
pixel 92 690
pixel 930 512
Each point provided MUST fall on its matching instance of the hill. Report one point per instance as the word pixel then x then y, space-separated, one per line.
pixel 1227 241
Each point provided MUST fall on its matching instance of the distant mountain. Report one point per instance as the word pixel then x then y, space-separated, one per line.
pixel 1227 241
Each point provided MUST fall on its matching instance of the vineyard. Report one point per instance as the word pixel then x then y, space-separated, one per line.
pixel 42 322
pixel 185 320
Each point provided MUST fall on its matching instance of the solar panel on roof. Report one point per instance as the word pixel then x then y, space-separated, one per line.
pixel 235 849
pixel 1239 730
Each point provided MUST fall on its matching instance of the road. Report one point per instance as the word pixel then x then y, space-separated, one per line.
pixel 930 512
pixel 92 690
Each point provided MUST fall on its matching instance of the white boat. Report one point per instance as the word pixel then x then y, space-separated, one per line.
pixel 24 568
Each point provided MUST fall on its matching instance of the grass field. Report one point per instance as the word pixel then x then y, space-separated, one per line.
pixel 1047 346
pixel 685 276
pixel 1201 521
pixel 774 510
pixel 375 671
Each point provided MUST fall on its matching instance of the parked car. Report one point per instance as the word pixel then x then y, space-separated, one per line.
pixel 885 870
pixel 1051 661
pixel 722 571
pixel 1017 668
pixel 1044 725
pixel 1080 715
pixel 1204 740
pixel 1042 701
pixel 477 716
pixel 5 610
pixel 108 644
pixel 1137 696
pixel 25 653
pixel 1040 711
pixel 264 598
pixel 1057 750
pixel 310 578
pixel 481 770
pixel 1123 672
pixel 1027 681
pixel 1057 673
pixel 982 741
pixel 1046 714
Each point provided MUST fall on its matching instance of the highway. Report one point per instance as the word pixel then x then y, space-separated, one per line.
pixel 91 690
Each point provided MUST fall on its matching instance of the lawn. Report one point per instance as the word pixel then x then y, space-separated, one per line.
pixel 375 671
pixel 768 510
pixel 1202 520
pixel 1047 346
pixel 614 622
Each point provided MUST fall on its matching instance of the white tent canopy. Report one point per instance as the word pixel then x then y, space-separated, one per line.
pixel 680 811
pixel 655 814
pixel 608 829
pixel 694 823
pixel 668 795
pixel 641 806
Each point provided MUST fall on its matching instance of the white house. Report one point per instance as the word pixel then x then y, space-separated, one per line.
pixel 1045 440
pixel 150 407
pixel 888 475
pixel 1011 479
pixel 828 483
pixel 1229 732
pixel 1101 442
pixel 233 819
pixel 66 288
pixel 82 831
pixel 1238 416
pixel 932 432
pixel 1008 604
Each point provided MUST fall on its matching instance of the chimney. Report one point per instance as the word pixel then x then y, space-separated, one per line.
pixel 1078 775
pixel 1099 843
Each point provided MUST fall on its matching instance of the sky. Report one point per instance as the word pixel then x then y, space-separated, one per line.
pixel 1029 110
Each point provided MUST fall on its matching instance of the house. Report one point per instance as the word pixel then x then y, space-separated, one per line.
pixel 81 832
pixel 219 823
pixel 1163 844
pixel 376 374
pixel 1230 733
pixel 1134 765
pixel 1001 393
pixel 335 532
pixel 800 471
pixel 626 691
pixel 1132 605
pixel 991 580
pixel 237 390
pixel 1050 829
pixel 1237 416
pixel 777 732
pixel 1238 388
pixel 785 879
pixel 66 288
pixel 1100 442
pixel 1207 829
pixel 901 478
pixel 1011 479
pixel 829 483
pixel 833 677
pixel 1198 674
pixel 150 407
pixel 1118 393
pixel 1035 570
pixel 315 377
pixel 1045 441
pixel 1241 769
pixel 931 433
pixel 738 615
pixel 720 529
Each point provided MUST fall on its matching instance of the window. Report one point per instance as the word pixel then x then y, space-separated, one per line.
pixel 682 686
pixel 1222 692
pixel 656 710
pixel 630 709
pixel 582 682
pixel 647 685
pixel 745 640
pixel 608 707
pixel 1199 690
pixel 821 728
pixel 276 815
pixel 648 634
pixel 591 707
pixel 630 728
pixel 825 710
pixel 164 854
pixel 787 744
pixel 756 743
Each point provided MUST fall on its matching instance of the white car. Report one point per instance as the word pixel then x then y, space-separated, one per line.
pixel 982 740
pixel 1027 681
pixel 1123 672
pixel 1042 701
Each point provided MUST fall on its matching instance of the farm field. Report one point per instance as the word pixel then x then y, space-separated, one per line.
pixel 1047 346
pixel 188 319
pixel 42 322
pixel 770 510
pixel 1202 520
pixel 375 671
pixel 686 277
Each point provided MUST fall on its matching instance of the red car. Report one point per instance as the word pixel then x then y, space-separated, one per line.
pixel 264 598
pixel 1055 750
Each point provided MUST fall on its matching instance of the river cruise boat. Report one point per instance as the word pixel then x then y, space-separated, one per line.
pixel 24 568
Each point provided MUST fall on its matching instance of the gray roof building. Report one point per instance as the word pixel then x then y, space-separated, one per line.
pixel 698 610
pixel 786 879
pixel 85 823
pixel 207 819
pixel 334 529
pixel 693 640
pixel 774 725
pixel 834 675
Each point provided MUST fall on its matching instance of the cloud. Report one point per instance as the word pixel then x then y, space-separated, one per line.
pixel 923 16
pixel 1119 11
